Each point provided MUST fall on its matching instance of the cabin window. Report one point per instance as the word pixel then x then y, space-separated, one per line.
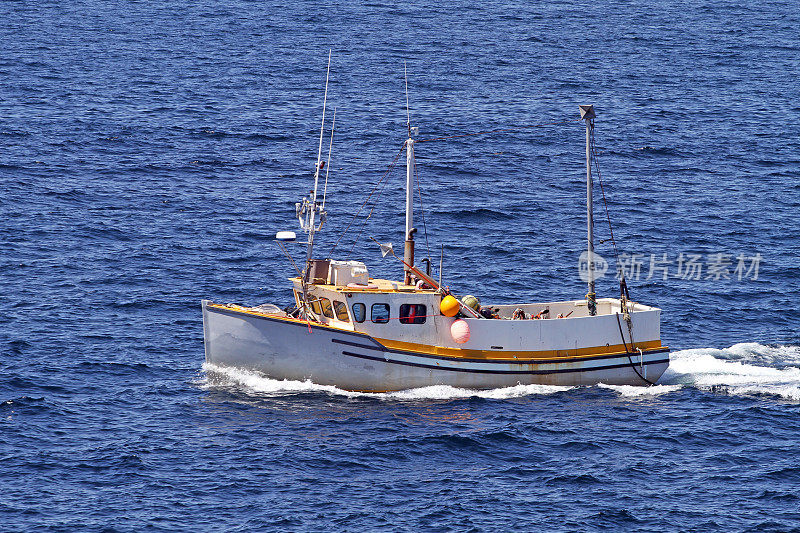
pixel 327 309
pixel 380 313
pixel 316 307
pixel 359 312
pixel 412 314
pixel 341 311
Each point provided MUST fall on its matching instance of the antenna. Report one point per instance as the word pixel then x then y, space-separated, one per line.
pixel 307 209
pixel 322 128
pixel 408 111
pixel 330 146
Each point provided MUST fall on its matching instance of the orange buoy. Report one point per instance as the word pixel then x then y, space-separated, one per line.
pixel 449 306
pixel 460 331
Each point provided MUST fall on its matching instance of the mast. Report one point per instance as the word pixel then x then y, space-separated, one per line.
pixel 588 114
pixel 408 251
pixel 408 254
pixel 313 203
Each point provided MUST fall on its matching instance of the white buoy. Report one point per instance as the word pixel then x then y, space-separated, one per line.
pixel 460 331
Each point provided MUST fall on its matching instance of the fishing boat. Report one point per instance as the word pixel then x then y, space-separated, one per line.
pixel 360 333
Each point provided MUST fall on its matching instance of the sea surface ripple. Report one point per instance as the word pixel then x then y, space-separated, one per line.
pixel 150 150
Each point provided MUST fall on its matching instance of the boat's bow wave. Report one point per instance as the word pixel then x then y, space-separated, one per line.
pixel 633 391
pixel 742 369
pixel 222 376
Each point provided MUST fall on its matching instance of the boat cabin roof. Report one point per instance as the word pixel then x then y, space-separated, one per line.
pixel 376 285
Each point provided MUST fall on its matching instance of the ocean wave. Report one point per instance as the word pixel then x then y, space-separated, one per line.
pixel 480 214
pixel 21 401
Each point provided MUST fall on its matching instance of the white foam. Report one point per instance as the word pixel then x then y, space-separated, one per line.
pixel 257 383
pixel 443 392
pixel 633 391
pixel 746 368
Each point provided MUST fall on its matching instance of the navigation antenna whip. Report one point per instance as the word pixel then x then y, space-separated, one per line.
pixel 408 112
pixel 330 146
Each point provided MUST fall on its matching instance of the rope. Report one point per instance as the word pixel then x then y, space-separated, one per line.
pixel 518 128
pixel 628 353
pixel 391 166
pixel 623 286
pixel 605 203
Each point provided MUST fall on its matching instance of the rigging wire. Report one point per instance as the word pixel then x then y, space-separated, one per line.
pixel 391 166
pixel 603 194
pixel 286 252
pixel 422 210
pixel 623 286
pixel 364 223
pixel 433 139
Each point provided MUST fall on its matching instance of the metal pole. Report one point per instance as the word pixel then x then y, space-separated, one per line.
pixel 408 249
pixel 587 113
pixel 408 254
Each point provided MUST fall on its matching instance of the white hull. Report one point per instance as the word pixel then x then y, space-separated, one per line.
pixel 289 349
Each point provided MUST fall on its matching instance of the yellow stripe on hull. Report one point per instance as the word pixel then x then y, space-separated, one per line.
pixel 515 354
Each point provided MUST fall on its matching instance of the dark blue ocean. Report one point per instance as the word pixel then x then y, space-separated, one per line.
pixel 150 150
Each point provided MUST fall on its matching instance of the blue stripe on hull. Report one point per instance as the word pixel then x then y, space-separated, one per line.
pixel 495 371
